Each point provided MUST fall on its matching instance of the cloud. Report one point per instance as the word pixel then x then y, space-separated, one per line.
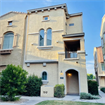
pixel 90 67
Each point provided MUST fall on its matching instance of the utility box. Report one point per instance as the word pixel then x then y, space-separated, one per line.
pixel 47 91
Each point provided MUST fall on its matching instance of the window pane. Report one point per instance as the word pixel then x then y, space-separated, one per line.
pixel 41 38
pixel 49 36
pixel 103 68
pixel 8 41
pixel 45 18
pixel 44 76
pixel 102 42
pixel 104 36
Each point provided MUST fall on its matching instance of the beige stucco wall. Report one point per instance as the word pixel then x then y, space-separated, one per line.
pixel 77 28
pixel 17 28
pixel 51 69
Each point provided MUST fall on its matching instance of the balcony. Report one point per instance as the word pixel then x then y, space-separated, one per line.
pixel 70 54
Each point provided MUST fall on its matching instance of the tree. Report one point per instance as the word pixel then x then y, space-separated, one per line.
pixel 90 76
pixel 12 82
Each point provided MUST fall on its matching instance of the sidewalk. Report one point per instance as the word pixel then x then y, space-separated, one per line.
pixel 35 100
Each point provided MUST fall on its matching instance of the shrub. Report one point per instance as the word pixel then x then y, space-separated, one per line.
pixel 14 78
pixel 33 86
pixel 59 90
pixel 103 89
pixel 87 96
pixel 93 87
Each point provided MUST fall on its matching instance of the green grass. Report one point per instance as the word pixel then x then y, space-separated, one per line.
pixel 66 103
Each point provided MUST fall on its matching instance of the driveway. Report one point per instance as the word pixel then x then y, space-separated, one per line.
pixel 25 100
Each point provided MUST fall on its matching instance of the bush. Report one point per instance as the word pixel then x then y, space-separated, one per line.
pixel 93 87
pixel 33 86
pixel 88 96
pixel 103 89
pixel 12 81
pixel 59 90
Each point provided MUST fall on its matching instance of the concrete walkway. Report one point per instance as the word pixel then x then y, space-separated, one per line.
pixel 35 100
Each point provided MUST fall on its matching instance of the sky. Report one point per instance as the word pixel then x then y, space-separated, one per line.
pixel 93 11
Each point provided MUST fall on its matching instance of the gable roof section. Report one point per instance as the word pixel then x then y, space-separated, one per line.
pixel 100 54
pixel 12 12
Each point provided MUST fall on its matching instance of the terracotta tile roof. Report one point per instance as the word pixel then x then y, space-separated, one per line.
pixel 100 54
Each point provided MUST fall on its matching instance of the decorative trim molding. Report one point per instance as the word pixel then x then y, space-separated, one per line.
pixel 40 61
pixel 81 52
pixel 72 39
pixel 6 49
pixel 2 65
pixel 33 33
pixel 44 47
pixel 73 35
pixel 57 30
pixel 69 59
pixel 10 26
pixel 61 53
pixel 45 20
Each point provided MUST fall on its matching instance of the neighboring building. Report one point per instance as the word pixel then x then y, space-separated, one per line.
pixel 99 57
pixel 99 66
pixel 11 38
pixel 53 47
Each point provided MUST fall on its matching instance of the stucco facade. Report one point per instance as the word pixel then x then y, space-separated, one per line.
pixel 15 54
pixel 99 66
pixel 64 59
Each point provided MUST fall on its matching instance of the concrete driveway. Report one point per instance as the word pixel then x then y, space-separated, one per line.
pixel 34 100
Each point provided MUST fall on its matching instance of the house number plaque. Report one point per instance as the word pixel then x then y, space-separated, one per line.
pixel 61 77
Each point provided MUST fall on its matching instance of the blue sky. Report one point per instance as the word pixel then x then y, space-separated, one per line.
pixel 93 11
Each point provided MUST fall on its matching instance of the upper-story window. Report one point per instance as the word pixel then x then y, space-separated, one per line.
pixel 44 75
pixel 46 17
pixel 103 67
pixel 71 24
pixel 8 40
pixel 41 39
pixel 104 36
pixel 49 36
pixel 9 23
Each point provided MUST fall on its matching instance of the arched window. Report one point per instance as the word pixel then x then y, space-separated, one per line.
pixel 8 40
pixel 41 39
pixel 44 75
pixel 49 36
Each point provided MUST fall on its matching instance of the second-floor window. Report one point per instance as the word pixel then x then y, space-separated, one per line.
pixel 49 36
pixel 102 44
pixel 45 39
pixel 41 39
pixel 8 40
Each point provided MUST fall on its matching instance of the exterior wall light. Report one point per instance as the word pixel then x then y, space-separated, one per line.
pixel 61 73
pixel 69 74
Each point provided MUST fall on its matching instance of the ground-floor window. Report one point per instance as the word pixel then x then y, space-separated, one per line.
pixel 44 75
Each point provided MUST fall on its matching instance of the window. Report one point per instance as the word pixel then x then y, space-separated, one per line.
pixel 104 35
pixel 10 23
pixel 8 40
pixel 104 57
pixel 102 65
pixel 41 39
pixel 49 36
pixel 45 17
pixel 71 24
pixel 44 76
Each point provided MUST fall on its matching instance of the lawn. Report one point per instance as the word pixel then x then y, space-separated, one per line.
pixel 66 103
